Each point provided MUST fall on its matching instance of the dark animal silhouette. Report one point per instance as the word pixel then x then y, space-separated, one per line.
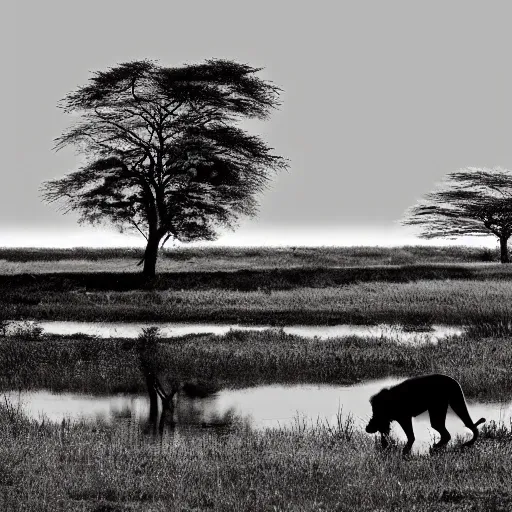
pixel 432 393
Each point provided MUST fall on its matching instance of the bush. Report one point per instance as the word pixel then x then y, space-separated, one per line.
pixel 24 330
pixel 488 255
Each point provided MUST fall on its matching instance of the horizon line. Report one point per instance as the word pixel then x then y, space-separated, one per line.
pixel 267 246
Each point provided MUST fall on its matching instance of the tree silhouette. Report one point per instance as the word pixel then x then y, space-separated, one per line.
pixel 472 201
pixel 164 153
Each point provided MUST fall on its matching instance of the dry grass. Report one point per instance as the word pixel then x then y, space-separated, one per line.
pixel 13 261
pixel 417 302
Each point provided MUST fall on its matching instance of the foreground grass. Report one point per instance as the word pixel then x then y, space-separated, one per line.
pixel 49 467
pixel 239 359
pixel 450 301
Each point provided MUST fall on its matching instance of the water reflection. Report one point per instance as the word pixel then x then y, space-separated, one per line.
pixel 260 407
pixel 132 330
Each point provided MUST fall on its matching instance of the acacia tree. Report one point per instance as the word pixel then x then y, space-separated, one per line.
pixel 164 153
pixel 472 201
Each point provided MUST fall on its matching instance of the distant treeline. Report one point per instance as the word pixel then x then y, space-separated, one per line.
pixel 316 256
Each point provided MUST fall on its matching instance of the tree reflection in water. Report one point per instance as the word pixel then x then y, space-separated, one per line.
pixel 187 415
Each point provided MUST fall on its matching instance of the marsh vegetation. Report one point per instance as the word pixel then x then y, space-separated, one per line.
pixel 240 359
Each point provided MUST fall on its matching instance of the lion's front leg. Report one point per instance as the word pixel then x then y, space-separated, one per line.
pixel 384 437
pixel 406 424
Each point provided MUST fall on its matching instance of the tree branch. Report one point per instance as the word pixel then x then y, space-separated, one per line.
pixel 138 229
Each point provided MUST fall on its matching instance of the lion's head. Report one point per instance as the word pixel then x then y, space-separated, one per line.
pixel 380 419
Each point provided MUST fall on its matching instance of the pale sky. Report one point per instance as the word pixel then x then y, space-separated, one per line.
pixel 381 100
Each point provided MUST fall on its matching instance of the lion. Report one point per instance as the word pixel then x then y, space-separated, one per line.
pixel 432 393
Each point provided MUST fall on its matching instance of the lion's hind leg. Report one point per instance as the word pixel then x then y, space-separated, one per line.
pixel 437 415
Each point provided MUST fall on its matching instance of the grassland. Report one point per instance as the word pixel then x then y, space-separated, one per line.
pixel 33 261
pixel 266 286
pixel 99 468
pixel 238 359
pixel 474 300
pixel 44 466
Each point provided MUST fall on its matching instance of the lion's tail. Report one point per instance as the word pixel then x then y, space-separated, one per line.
pixel 480 421
pixel 475 432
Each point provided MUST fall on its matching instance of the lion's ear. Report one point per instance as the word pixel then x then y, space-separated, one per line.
pixel 384 394
pixel 381 396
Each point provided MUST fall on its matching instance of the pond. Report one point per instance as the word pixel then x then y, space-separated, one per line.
pixel 273 406
pixel 132 330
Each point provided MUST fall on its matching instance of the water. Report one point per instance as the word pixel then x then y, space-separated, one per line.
pixel 261 407
pixel 132 330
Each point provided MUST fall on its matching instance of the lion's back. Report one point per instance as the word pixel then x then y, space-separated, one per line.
pixel 418 393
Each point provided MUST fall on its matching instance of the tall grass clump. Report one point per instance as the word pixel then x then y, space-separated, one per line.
pixel 79 363
pixel 148 338
pixel 499 328
pixel 497 430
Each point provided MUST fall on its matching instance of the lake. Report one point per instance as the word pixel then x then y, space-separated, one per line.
pixel 272 406
pixel 132 330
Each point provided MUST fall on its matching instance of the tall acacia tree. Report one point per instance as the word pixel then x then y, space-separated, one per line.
pixel 472 201
pixel 164 153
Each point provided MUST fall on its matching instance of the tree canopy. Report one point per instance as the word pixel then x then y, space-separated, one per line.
pixel 164 153
pixel 471 201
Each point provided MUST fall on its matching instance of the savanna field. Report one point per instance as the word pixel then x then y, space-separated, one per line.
pixel 98 466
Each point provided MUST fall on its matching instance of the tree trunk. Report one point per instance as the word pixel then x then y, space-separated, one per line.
pixel 504 258
pixel 149 377
pixel 167 415
pixel 150 256
pixel 153 401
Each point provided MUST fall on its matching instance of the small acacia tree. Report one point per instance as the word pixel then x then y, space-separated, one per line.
pixel 472 201
pixel 164 154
